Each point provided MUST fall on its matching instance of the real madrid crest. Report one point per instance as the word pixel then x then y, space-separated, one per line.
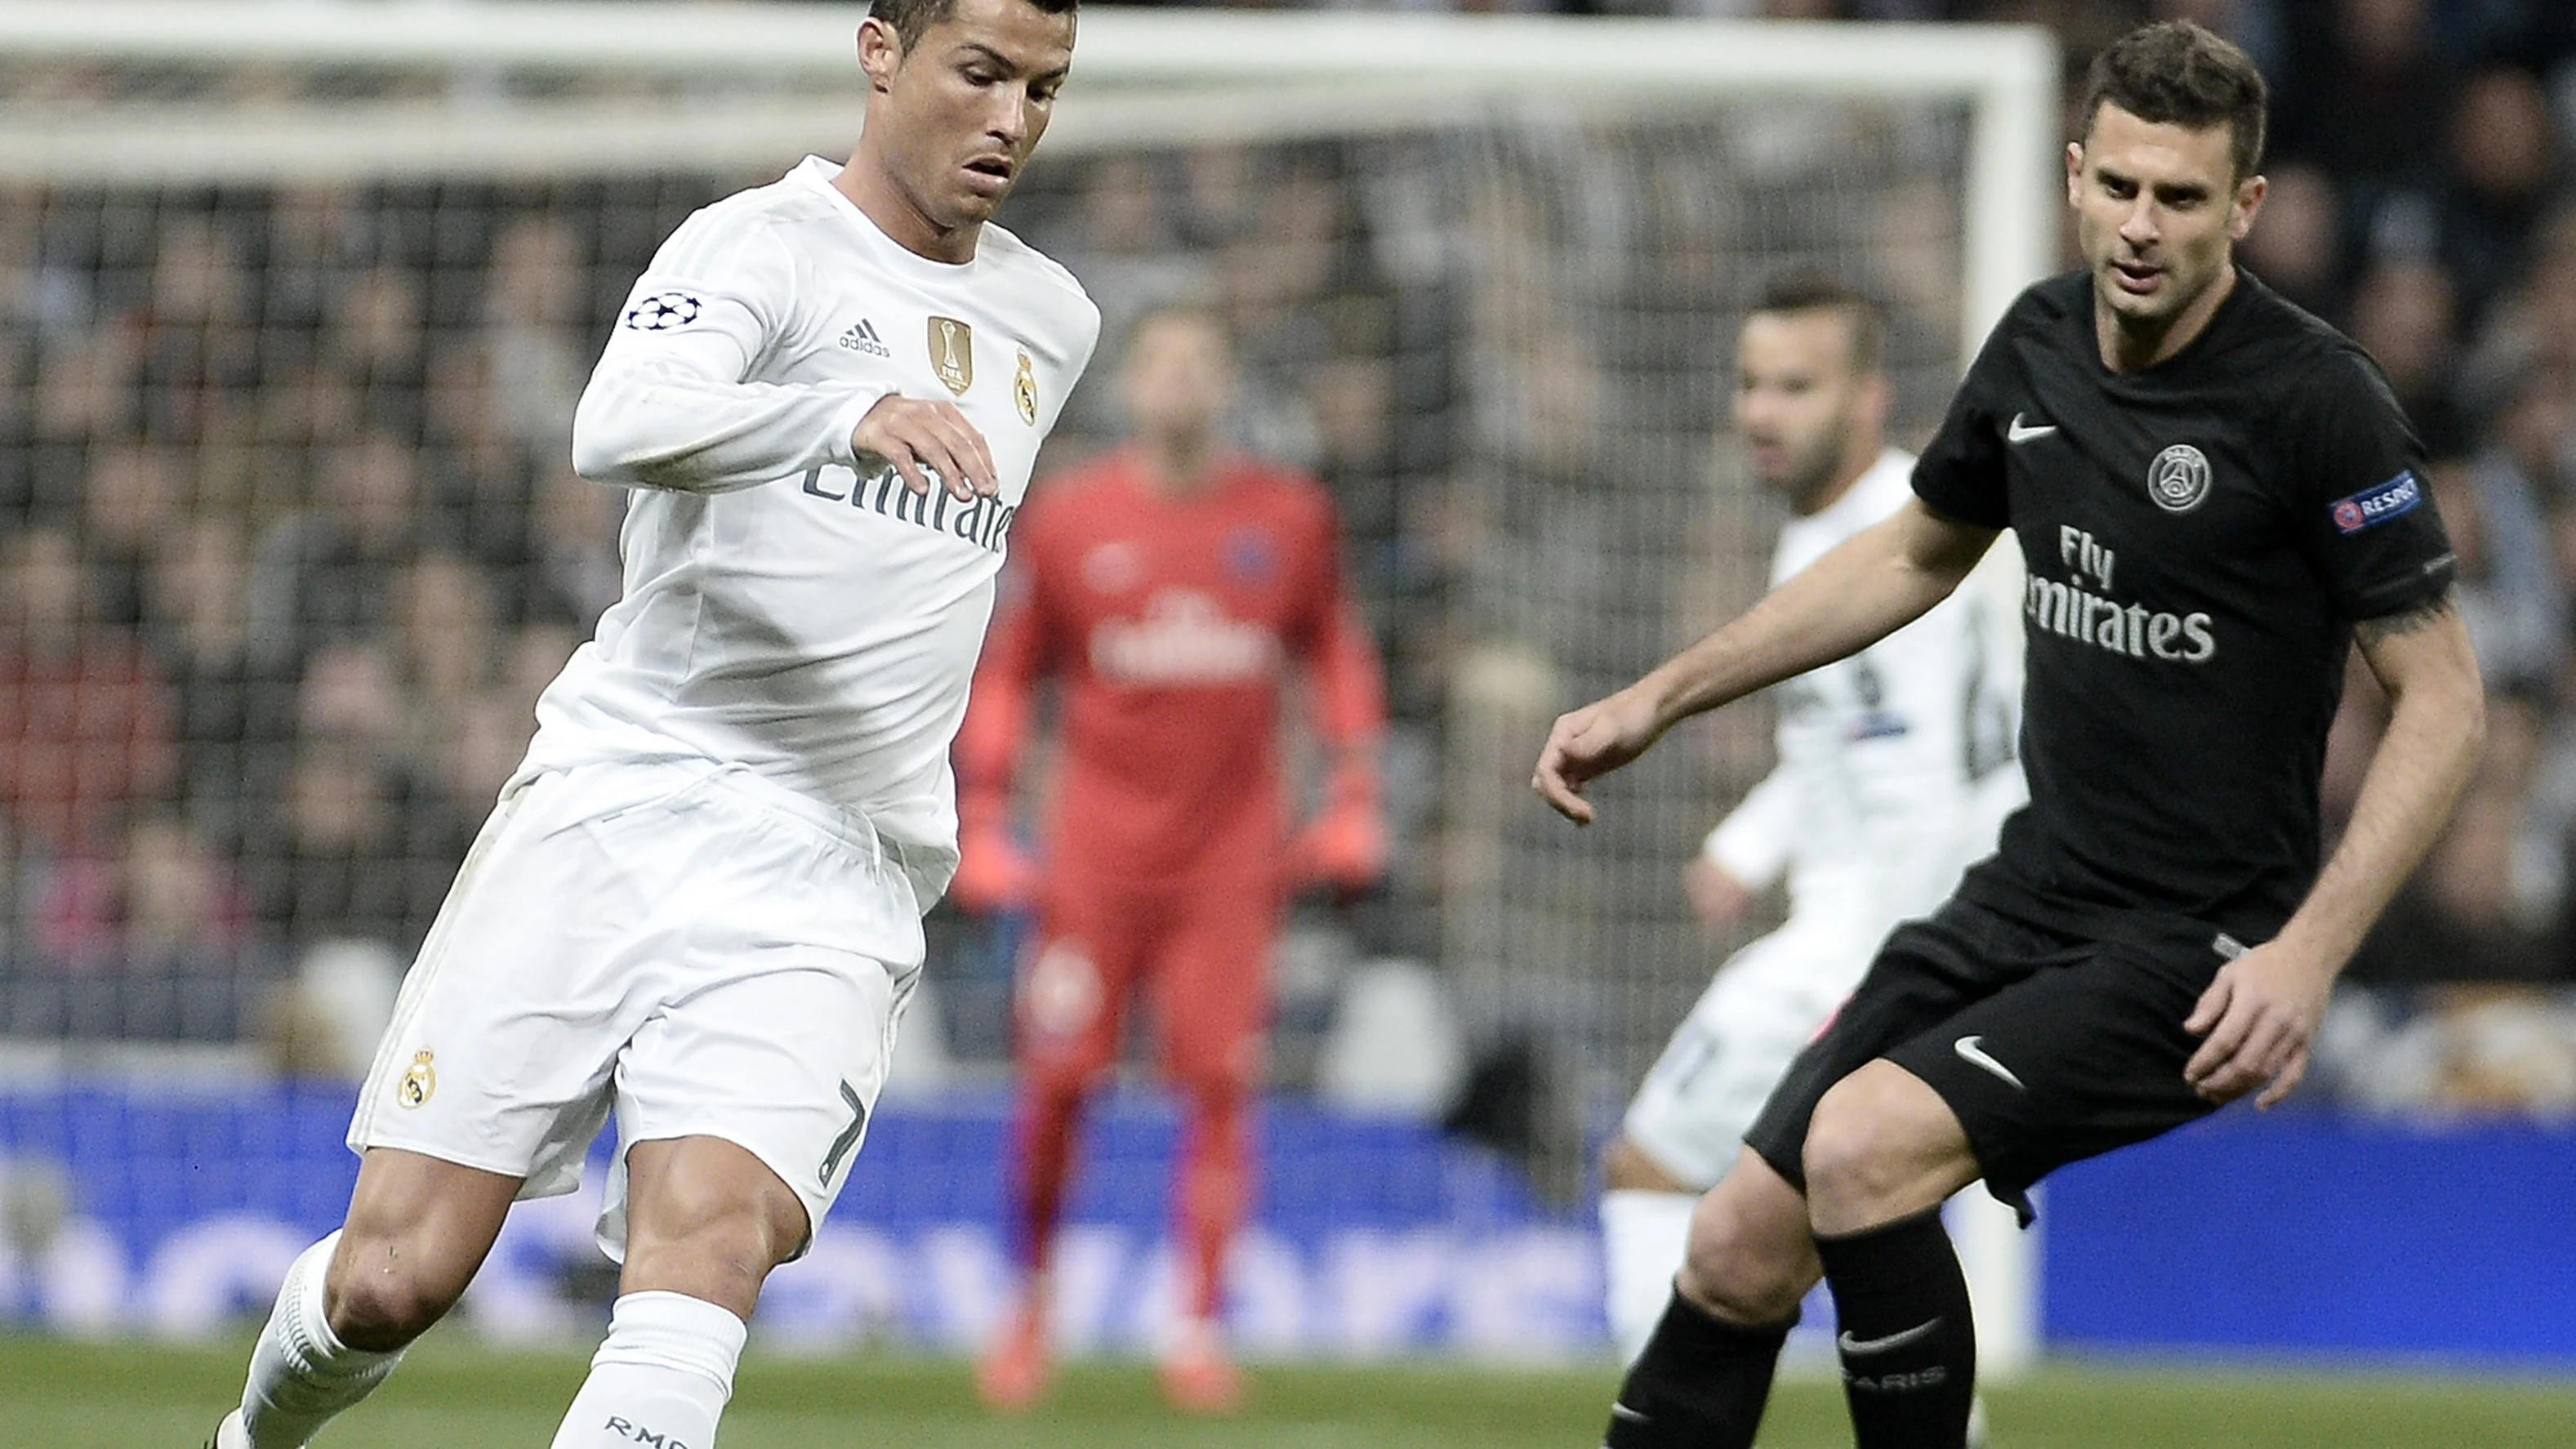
pixel 952 353
pixel 418 1084
pixel 2179 479
pixel 1024 389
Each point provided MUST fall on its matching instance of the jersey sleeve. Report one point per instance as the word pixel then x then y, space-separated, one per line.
pixel 1753 842
pixel 1343 671
pixel 2361 505
pixel 1961 474
pixel 673 404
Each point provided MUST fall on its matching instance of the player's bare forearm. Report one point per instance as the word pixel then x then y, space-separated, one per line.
pixel 2261 1011
pixel 2436 730
pixel 1878 581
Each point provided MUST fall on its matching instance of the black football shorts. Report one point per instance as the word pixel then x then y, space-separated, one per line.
pixel 2049 1047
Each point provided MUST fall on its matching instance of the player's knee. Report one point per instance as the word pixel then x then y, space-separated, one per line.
pixel 1063 1081
pixel 1625 1167
pixel 1209 1089
pixel 1217 1082
pixel 1872 1136
pixel 1744 1266
pixel 380 1295
pixel 734 1233
pixel 708 1219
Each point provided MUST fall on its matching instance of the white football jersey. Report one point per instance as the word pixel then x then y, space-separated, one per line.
pixel 790 607
pixel 1896 764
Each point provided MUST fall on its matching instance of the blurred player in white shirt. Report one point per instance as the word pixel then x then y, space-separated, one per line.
pixel 698 902
pixel 1896 767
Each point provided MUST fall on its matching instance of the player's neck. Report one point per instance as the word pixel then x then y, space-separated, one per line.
pixel 874 192
pixel 1179 467
pixel 2128 347
pixel 1854 466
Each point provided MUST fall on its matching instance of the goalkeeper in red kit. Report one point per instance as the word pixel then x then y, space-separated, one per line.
pixel 1175 589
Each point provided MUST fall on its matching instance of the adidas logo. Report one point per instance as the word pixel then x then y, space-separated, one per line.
pixel 863 338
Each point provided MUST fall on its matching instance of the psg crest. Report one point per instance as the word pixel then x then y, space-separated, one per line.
pixel 952 353
pixel 2179 479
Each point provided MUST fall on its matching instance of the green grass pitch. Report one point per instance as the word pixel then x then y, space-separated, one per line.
pixel 453 1395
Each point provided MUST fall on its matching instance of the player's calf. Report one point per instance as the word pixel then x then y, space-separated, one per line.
pixel 706 1222
pixel 1705 1373
pixel 418 1229
pixel 302 1373
pixel 1750 1259
pixel 707 1219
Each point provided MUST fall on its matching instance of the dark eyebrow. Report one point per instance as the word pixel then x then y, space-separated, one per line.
pixel 1004 63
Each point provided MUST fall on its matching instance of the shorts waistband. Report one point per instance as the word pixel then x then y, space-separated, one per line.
pixel 850 827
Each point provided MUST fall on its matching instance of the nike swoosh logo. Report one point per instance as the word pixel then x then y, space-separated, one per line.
pixel 1623 1412
pixel 1975 1056
pixel 1849 1344
pixel 2020 432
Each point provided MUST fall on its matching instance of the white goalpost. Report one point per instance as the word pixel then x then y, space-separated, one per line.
pixel 1486 270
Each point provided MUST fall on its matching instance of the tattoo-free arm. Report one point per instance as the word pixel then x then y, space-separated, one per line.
pixel 2260 1013
pixel 1875 583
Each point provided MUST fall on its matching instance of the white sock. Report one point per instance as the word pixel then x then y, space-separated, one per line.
pixel 662 1377
pixel 301 1374
pixel 1643 1238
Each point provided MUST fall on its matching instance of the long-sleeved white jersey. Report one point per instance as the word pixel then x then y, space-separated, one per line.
pixel 791 607
pixel 1896 764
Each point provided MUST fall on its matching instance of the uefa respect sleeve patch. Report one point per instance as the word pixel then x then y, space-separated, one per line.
pixel 2373 506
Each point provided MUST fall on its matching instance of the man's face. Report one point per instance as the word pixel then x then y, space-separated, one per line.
pixel 2158 212
pixel 1179 376
pixel 1797 399
pixel 955 117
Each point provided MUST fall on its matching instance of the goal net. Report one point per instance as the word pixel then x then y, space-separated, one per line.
pixel 299 296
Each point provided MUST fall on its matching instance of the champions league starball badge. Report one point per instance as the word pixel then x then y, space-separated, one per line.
pixel 2179 479
pixel 663 312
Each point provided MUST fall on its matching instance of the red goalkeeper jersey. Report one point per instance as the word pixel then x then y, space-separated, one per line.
pixel 1175 624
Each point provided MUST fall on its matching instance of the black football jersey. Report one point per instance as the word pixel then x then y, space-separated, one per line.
pixel 2200 537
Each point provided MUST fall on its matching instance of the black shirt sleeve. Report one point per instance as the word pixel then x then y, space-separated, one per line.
pixel 2361 502
pixel 1960 475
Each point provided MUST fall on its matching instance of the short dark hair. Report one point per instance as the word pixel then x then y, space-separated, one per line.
pixel 909 18
pixel 2178 72
pixel 1810 291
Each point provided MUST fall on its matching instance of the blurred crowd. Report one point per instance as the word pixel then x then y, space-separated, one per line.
pixel 291 548
pixel 288 542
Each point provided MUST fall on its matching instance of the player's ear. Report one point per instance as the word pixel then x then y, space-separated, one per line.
pixel 1877 397
pixel 2074 172
pixel 880 53
pixel 2247 201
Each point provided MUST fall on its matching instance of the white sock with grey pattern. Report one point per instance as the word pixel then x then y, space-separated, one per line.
pixel 662 1377
pixel 301 1374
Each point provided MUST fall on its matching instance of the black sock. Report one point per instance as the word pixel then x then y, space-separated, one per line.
pixel 1909 1346
pixel 1700 1384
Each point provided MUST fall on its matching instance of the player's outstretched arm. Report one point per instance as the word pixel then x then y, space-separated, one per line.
pixel 1874 584
pixel 2259 1015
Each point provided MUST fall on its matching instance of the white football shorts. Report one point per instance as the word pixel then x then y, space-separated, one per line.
pixel 1766 1003
pixel 704 950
